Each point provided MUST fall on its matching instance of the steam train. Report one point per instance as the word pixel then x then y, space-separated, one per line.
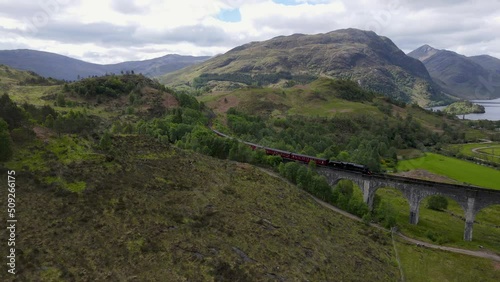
pixel 302 158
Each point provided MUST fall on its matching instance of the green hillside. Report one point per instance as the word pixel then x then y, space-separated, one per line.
pixel 112 185
pixel 10 77
pixel 97 187
pixel 155 211
pixel 370 60
pixel 455 168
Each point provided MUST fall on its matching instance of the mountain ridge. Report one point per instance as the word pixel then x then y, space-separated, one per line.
pixel 461 76
pixel 58 66
pixel 375 62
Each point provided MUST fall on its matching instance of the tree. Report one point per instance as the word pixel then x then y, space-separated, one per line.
pixel 10 112
pixel 49 121
pixel 105 142
pixel 437 203
pixel 5 142
pixel 61 101
pixel 386 214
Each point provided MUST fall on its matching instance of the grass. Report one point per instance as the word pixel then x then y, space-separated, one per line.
pixel 36 95
pixel 76 187
pixel 70 148
pixel 491 150
pixel 186 217
pixel 331 107
pixel 466 150
pixel 459 170
pixel 289 101
pixel 427 265
pixel 32 94
pixel 446 227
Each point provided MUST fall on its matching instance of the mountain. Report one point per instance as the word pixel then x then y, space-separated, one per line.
pixel 461 76
pixel 487 62
pixel 373 61
pixel 62 67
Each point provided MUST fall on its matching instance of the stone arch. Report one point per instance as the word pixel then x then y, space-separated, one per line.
pixel 449 197
pixel 397 199
pixel 336 181
pixel 355 181
pixel 333 177
pixel 487 223
pixel 446 225
pixel 483 205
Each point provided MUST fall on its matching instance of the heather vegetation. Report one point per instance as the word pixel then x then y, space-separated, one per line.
pixel 124 156
pixel 83 175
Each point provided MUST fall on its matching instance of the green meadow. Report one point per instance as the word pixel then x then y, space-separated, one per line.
pixel 463 171
pixel 490 151
pixel 428 265
pixel 447 227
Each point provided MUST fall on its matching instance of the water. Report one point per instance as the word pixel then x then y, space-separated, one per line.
pixel 491 107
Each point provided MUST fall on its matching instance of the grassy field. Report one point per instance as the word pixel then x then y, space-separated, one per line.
pixel 34 95
pixel 294 101
pixel 427 265
pixel 466 150
pixel 446 227
pixel 459 170
pixel 491 150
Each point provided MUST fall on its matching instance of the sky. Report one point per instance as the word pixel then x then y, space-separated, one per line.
pixel 111 31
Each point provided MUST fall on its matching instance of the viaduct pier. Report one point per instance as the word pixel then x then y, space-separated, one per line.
pixel 472 199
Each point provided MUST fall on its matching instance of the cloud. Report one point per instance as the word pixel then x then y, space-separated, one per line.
pixel 114 30
pixel 128 7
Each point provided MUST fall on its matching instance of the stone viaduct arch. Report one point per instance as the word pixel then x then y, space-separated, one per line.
pixel 472 199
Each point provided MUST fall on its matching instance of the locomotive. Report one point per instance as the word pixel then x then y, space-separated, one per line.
pixel 303 158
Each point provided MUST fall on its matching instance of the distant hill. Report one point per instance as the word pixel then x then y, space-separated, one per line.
pixel 460 76
pixel 373 61
pixel 61 67
pixel 10 77
pixel 487 62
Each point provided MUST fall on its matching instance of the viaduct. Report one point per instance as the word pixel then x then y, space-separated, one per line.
pixel 471 198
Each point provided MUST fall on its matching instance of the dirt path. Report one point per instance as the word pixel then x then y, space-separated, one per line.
pixel 476 150
pixel 480 254
pixel 411 240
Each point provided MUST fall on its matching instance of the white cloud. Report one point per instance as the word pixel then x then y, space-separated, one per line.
pixel 116 30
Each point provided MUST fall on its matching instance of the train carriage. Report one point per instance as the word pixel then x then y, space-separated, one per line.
pixel 276 152
pixel 307 159
pixel 303 158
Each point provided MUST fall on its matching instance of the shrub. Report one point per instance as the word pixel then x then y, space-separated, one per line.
pixel 438 203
